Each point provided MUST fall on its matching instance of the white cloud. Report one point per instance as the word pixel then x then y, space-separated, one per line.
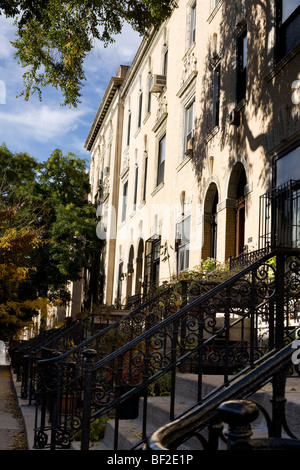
pixel 40 127
pixel 7 34
pixel 42 123
pixel 106 60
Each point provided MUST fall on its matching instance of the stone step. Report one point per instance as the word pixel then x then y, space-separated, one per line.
pixel 130 430
pixel 112 317
pixel 186 392
pixel 158 411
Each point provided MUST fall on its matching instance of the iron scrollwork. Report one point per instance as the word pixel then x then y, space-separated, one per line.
pixel 199 327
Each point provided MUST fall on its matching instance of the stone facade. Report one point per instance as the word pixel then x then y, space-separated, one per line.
pixel 192 133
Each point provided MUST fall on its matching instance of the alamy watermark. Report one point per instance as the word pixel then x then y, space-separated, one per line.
pixel 2 92
pixel 296 92
pixel 296 354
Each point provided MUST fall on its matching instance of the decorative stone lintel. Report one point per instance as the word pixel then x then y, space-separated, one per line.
pixel 189 72
pixel 161 185
pixel 287 125
pixel 160 121
pixel 227 203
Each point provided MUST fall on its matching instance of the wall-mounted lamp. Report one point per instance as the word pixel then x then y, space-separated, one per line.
pixel 130 270
pixel 122 277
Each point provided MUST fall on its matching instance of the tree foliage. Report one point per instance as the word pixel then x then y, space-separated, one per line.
pixel 54 37
pixel 17 243
pixel 47 231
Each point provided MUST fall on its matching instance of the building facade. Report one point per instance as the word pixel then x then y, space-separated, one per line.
pixel 194 139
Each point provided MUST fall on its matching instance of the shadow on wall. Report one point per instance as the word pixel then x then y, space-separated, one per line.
pixel 222 55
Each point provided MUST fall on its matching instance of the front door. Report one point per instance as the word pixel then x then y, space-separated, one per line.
pixel 152 261
pixel 240 226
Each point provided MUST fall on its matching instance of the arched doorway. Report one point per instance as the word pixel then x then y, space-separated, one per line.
pixel 129 272
pixel 240 214
pixel 119 286
pixel 152 263
pixel 209 249
pixel 139 268
pixel 236 211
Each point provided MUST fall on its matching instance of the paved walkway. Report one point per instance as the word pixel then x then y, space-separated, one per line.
pixel 17 417
pixel 12 429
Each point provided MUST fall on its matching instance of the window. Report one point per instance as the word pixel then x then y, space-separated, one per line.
pixel 288 26
pixel 183 244
pixel 193 24
pixel 149 93
pixel 161 160
pixel 216 96
pixel 124 201
pixel 287 166
pixel 213 227
pixel 189 123
pixel 119 289
pixel 145 178
pixel 140 110
pixel 165 64
pixel 285 199
pixel 241 65
pixel 214 3
pixel 128 128
pixel 135 187
pixel 152 262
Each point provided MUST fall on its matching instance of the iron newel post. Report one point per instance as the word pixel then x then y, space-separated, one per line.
pixel 89 355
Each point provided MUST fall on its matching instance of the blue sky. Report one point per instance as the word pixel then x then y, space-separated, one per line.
pixel 40 127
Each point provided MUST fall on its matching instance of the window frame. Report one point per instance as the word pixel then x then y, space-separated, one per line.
pixel 214 3
pixel 282 27
pixel 280 158
pixel 128 128
pixel 161 160
pixel 193 23
pixel 150 85
pixel 165 62
pixel 135 192
pixel 241 79
pixel 140 108
pixel 183 248
pixel 124 201
pixel 216 79
pixel 189 122
pixel 145 177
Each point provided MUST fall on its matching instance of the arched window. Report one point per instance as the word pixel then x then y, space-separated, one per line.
pixel 236 212
pixel 209 249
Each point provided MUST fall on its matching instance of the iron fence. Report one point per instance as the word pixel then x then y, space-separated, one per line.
pixel 279 217
pixel 223 329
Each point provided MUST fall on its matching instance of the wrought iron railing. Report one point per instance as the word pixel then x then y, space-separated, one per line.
pixel 58 340
pixel 246 259
pixel 98 330
pixel 279 216
pixel 207 426
pixel 17 351
pixel 229 327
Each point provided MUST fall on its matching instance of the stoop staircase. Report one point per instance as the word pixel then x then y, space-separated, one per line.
pixel 236 331
pixel 158 413
pixel 158 409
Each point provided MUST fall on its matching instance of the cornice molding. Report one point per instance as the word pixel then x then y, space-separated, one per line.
pixel 145 45
pixel 113 86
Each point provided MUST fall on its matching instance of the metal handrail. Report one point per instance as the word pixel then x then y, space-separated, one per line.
pixel 117 356
pixel 130 316
pixel 179 431
pixel 30 356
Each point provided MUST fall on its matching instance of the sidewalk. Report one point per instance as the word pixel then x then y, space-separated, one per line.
pixel 17 417
pixel 12 426
pixel 28 414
